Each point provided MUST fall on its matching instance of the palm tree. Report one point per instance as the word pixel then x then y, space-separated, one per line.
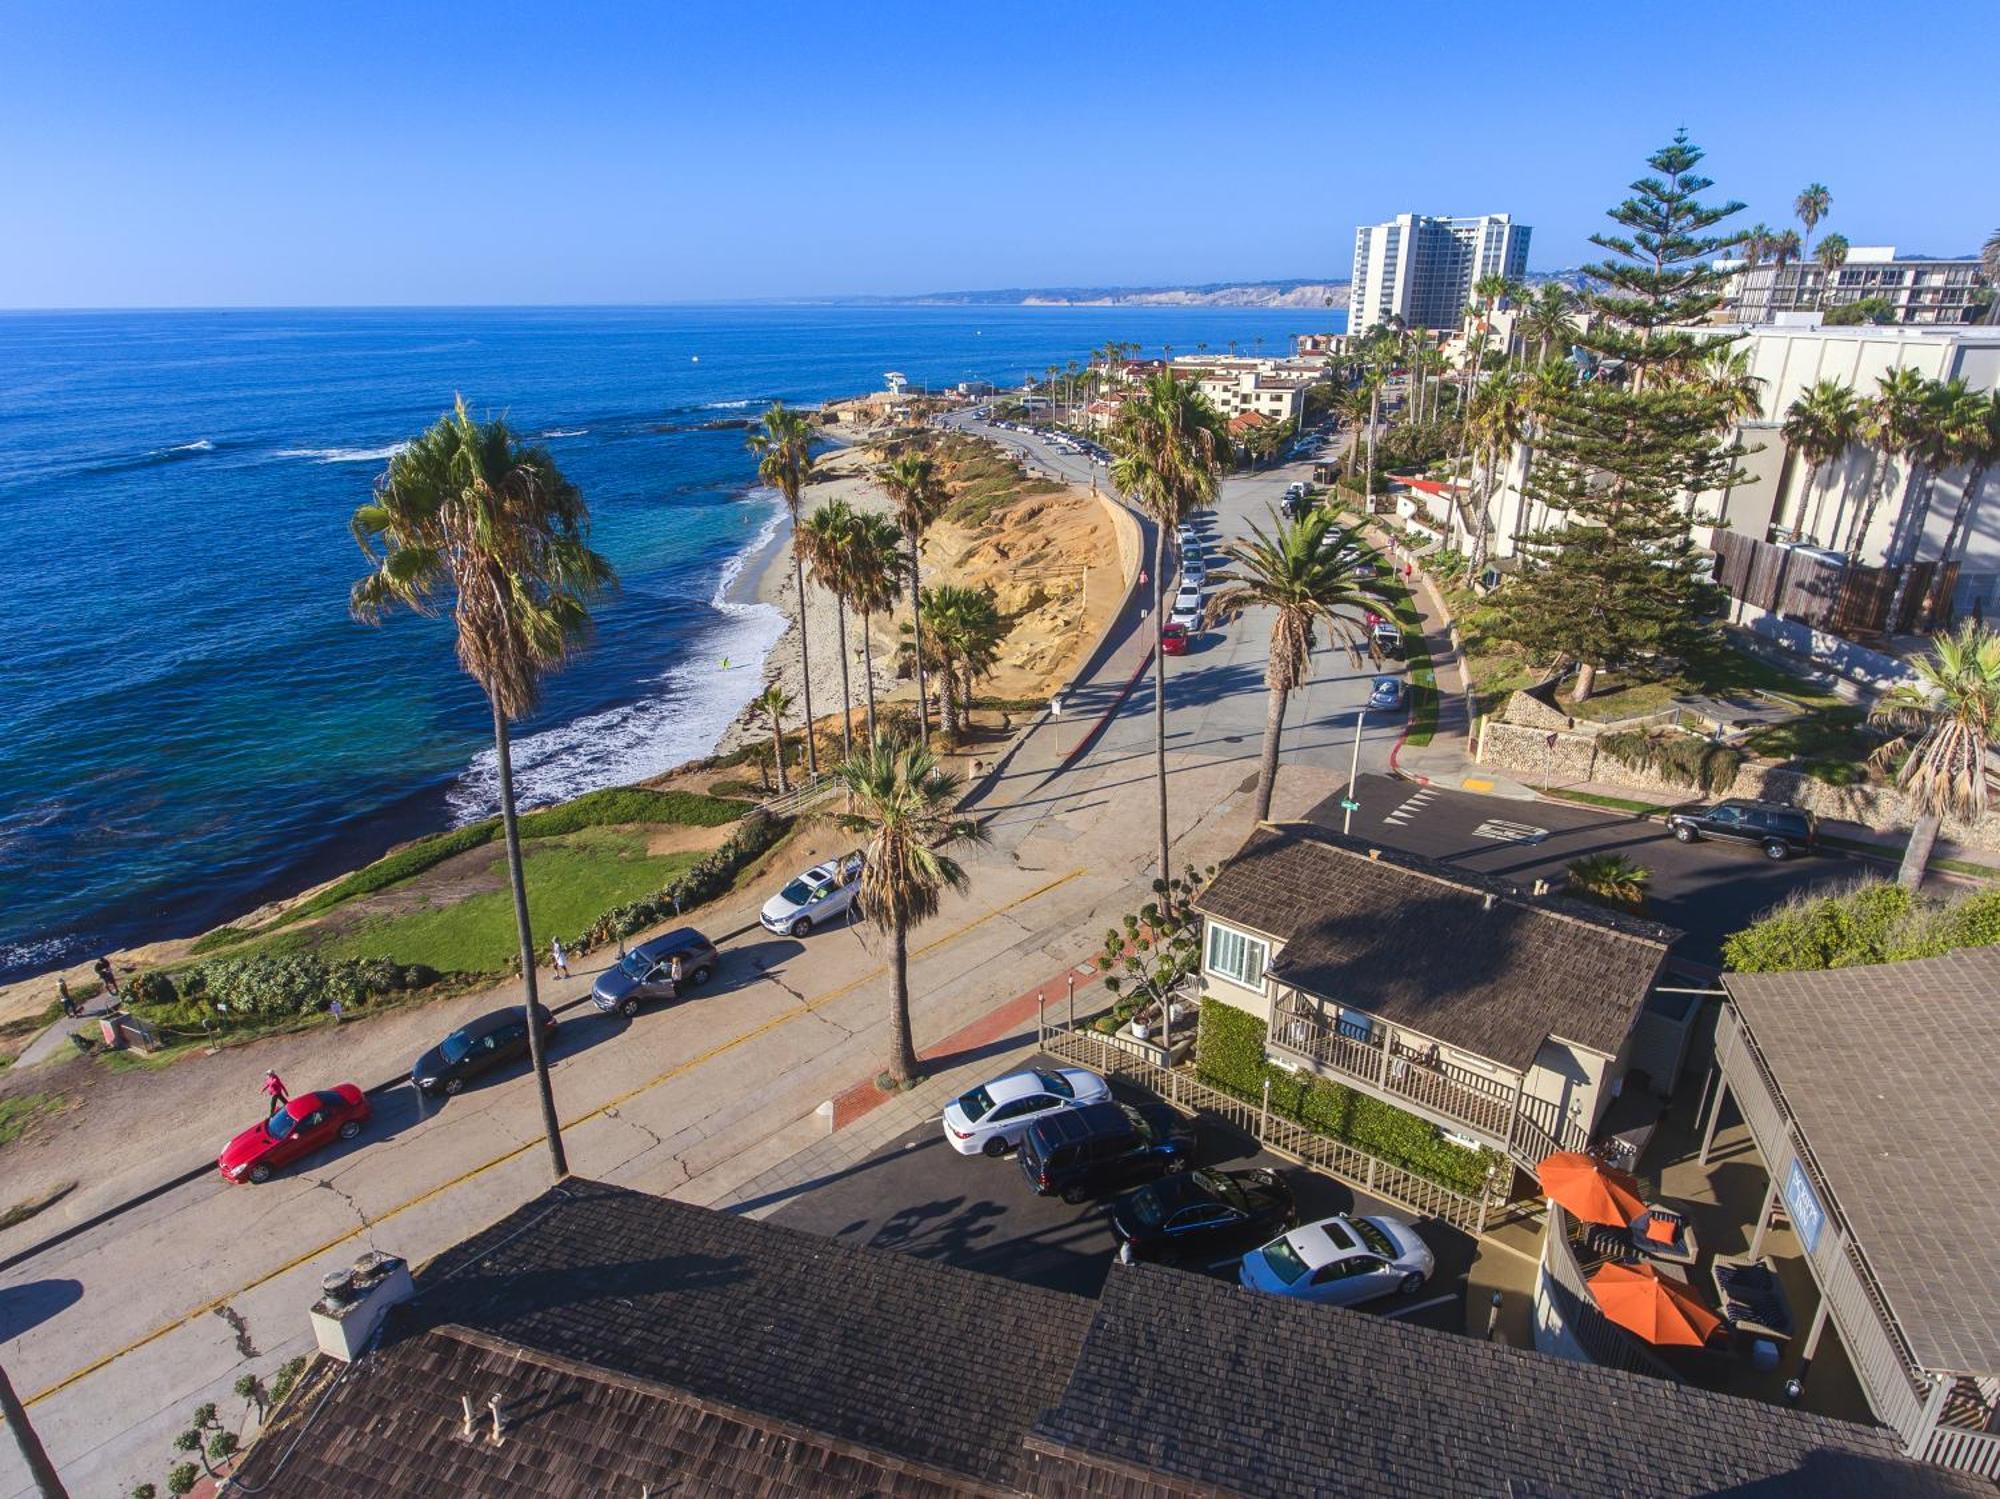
pixel 1499 420
pixel 1610 880
pixel 1891 424
pixel 1785 248
pixel 963 629
pixel 907 804
pixel 1947 718
pixel 1171 446
pixel 782 441
pixel 1811 205
pixel 920 497
pixel 1934 447
pixel 875 585
pixel 466 513
pixel 1724 373
pixel 1305 571
pixel 1550 387
pixel 1977 429
pixel 1819 426
pixel 1373 377
pixel 827 539
pixel 1550 319
pixel 1756 246
pixel 774 703
pixel 1831 253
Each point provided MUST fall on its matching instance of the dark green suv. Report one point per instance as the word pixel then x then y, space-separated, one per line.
pixel 1779 830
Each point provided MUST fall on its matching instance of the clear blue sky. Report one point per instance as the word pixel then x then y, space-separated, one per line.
pixel 415 152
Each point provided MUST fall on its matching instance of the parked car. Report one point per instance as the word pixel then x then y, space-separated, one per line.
pixel 1388 694
pixel 646 973
pixel 822 894
pixel 992 1118
pixel 1781 831
pixel 1341 1261
pixel 1097 1147
pixel 1388 639
pixel 1194 572
pixel 310 1122
pixel 1187 606
pixel 1201 1213
pixel 1174 639
pixel 476 1047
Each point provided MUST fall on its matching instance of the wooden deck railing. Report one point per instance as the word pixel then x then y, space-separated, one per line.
pixel 1605 1341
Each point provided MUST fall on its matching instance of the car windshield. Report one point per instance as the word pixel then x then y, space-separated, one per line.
pixel 1284 1261
pixel 1056 1083
pixel 634 966
pixel 1147 1207
pixel 797 893
pixel 977 1105
pixel 1377 1241
pixel 280 1124
pixel 455 1046
pixel 1223 1189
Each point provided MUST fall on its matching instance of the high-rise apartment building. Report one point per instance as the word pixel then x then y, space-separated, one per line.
pixel 1423 269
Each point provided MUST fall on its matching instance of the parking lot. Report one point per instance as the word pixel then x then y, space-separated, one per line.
pixel 918 1196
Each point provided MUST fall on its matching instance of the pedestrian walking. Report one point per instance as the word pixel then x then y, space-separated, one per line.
pixel 274 1087
pixel 558 957
pixel 107 976
pixel 69 1006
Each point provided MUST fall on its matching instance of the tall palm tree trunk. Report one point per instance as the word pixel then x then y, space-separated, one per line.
pixel 948 703
pixel 846 693
pixel 1917 852
pixel 34 1457
pixel 1968 497
pixel 917 635
pixel 778 737
pixel 1374 412
pixel 805 661
pixel 902 1050
pixel 1912 544
pixel 1267 765
pixel 1160 706
pixel 868 673
pixel 517 877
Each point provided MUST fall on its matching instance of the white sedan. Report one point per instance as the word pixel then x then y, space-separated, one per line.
pixel 1341 1261
pixel 1187 608
pixel 993 1117
pixel 823 893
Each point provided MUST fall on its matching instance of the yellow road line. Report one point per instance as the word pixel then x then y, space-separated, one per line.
pixel 783 1017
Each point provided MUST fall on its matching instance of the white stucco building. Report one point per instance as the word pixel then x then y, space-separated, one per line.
pixel 1422 269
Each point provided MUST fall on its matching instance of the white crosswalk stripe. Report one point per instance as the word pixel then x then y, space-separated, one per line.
pixel 1502 831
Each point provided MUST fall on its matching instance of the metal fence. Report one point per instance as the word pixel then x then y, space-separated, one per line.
pixel 1351 1164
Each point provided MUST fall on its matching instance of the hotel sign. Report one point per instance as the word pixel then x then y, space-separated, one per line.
pixel 1808 1217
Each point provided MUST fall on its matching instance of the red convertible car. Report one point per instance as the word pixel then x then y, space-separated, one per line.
pixel 307 1123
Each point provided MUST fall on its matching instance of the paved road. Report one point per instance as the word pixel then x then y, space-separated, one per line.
pixel 918 1196
pixel 1707 890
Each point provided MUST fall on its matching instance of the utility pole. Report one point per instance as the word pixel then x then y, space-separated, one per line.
pixel 1348 803
pixel 47 1484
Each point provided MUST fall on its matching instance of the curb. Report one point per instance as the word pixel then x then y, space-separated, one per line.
pixel 1090 737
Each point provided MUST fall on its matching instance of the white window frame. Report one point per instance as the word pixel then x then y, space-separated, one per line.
pixel 1248 944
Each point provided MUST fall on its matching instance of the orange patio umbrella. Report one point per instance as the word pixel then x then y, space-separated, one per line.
pixel 1590 1189
pixel 1659 1311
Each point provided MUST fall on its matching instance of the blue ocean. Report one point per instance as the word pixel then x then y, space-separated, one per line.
pixel 192 722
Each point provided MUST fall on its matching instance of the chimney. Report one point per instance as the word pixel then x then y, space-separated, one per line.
pixel 1541 887
pixel 471 1424
pixel 353 1303
pixel 1487 901
pixel 1374 853
pixel 493 1404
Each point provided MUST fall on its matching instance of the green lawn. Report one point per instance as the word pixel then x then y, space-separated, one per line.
pixel 1716 667
pixel 1423 676
pixel 1829 744
pixel 20 1111
pixel 572 880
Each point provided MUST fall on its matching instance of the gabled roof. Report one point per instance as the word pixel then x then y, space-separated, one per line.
pixel 1248 421
pixel 1463 958
pixel 1187 1386
pixel 1893 1073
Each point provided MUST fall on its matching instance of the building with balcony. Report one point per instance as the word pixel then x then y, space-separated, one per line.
pixel 1421 270
pixel 1870 1097
pixel 1920 289
pixel 1507 1018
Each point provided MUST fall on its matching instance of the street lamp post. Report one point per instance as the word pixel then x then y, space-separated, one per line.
pixel 1353 770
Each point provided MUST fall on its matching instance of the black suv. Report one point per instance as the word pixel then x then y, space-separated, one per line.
pixel 1781 831
pixel 478 1046
pixel 1083 1151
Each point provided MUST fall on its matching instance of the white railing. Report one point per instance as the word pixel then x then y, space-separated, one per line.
pixel 1968 1451
pixel 1606 1342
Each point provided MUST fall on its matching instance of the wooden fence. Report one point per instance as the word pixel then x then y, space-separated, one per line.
pixel 1827 593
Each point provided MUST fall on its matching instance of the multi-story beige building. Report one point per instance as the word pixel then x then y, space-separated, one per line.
pixel 1422 269
pixel 1920 290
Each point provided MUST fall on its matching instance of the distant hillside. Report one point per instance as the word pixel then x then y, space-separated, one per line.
pixel 1219 294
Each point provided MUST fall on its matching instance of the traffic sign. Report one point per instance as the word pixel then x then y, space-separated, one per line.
pixel 1350 806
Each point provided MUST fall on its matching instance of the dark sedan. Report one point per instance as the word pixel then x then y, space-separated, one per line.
pixel 476 1047
pixel 1201 1214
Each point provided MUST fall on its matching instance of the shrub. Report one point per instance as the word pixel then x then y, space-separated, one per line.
pixel 711 877
pixel 1229 1054
pixel 1873 922
pixel 236 991
pixel 1684 759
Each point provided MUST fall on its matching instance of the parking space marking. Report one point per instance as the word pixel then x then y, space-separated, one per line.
pixel 1500 830
pixel 1419 1306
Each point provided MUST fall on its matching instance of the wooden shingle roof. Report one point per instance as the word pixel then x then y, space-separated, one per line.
pixel 1464 958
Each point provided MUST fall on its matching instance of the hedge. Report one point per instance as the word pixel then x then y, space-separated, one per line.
pixel 1229 1054
pixel 1876 922
pixel 711 877
pixel 234 992
pixel 1685 759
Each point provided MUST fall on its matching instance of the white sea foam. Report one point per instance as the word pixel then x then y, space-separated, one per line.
pixel 732 405
pixel 565 432
pixel 34 956
pixel 345 455
pixel 681 715
pixel 199 445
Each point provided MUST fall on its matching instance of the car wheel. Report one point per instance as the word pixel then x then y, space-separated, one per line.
pixel 1412 1283
pixel 995 1146
pixel 1776 850
pixel 260 1172
pixel 1176 1165
pixel 453 1086
pixel 350 1129
pixel 1684 833
pixel 699 977
pixel 1076 1196
pixel 629 1008
pixel 802 927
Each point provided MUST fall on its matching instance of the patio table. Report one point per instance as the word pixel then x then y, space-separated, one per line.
pixel 1752 1298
